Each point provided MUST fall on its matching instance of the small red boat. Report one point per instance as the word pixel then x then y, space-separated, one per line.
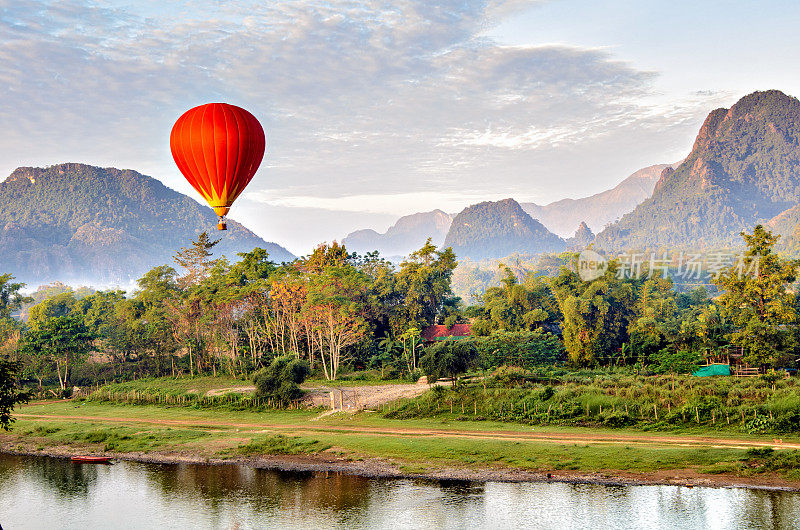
pixel 92 459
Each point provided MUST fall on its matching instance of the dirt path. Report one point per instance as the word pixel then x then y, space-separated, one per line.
pixel 557 438
pixel 361 397
pixel 346 397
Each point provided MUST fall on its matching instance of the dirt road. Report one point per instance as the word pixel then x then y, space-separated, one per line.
pixel 626 438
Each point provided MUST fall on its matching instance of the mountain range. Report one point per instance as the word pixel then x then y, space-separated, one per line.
pixel 743 169
pixel 568 218
pixel 78 223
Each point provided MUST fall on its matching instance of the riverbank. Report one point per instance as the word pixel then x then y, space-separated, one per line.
pixel 381 468
pixel 368 445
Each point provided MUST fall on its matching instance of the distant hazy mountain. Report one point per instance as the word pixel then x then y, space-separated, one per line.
pixel 787 225
pixel 744 168
pixel 80 223
pixel 582 238
pixel 563 217
pixel 497 229
pixel 409 233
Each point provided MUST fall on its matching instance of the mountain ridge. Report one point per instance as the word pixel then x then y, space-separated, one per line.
pixel 407 234
pixel 743 169
pixel 494 229
pixel 75 222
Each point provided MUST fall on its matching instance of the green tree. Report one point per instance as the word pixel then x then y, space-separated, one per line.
pixel 10 395
pixel 518 307
pixel 57 306
pixel 281 380
pixel 11 299
pixel 65 341
pixel 519 348
pixel 597 314
pixel 196 259
pixel 423 284
pixel 678 362
pixel 448 358
pixel 756 298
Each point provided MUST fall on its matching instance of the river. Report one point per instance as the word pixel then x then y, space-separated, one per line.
pixel 42 492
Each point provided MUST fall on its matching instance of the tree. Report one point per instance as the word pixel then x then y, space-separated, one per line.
pixel 10 298
pixel 654 325
pixel 519 348
pixel 423 283
pixel 195 259
pixel 10 396
pixel 64 341
pixel 57 306
pixel 410 340
pixel 281 379
pixel 756 299
pixel 679 362
pixel 448 358
pixel 335 309
pixel 518 307
pixel 597 314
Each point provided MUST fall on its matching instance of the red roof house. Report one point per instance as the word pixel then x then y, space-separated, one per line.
pixel 434 333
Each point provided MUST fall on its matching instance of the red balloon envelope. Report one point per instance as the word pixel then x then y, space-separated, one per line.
pixel 218 148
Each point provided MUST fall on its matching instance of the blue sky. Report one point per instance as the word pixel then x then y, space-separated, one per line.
pixel 374 109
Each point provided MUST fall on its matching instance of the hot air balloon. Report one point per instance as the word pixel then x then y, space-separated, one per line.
pixel 218 148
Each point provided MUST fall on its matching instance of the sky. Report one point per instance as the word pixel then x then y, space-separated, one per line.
pixel 376 109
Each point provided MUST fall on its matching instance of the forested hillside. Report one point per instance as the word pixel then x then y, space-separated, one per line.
pixel 744 168
pixel 497 229
pixel 84 224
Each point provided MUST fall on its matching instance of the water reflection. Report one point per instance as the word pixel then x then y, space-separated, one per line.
pixel 55 493
pixel 66 479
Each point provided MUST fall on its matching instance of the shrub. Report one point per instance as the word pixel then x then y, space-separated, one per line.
pixel 617 420
pixel 509 376
pixel 281 379
pixel 448 358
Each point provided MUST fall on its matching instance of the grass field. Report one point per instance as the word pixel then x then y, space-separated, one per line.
pixel 414 445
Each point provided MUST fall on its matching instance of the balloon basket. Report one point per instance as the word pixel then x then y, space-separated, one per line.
pixel 222 225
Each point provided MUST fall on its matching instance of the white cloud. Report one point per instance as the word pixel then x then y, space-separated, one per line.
pixel 368 105
pixel 395 203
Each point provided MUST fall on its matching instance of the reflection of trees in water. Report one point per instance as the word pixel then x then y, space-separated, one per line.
pixel 66 478
pixel 457 492
pixel 782 510
pixel 263 490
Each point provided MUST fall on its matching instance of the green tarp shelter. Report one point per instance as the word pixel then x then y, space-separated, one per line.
pixel 713 369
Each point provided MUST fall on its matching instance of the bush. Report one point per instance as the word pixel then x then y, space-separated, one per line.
pixel 448 358
pixel 759 425
pixel 281 379
pixel 509 376
pixel 616 420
